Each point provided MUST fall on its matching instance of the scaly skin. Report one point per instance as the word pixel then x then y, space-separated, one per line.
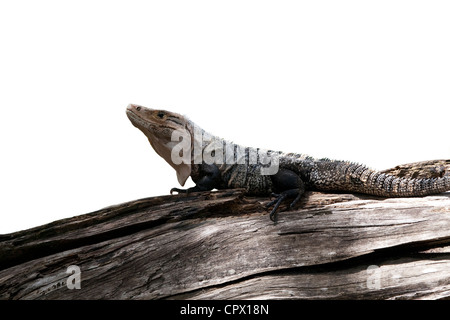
pixel 296 172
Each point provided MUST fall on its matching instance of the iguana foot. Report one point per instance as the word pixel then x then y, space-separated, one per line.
pixel 197 188
pixel 178 190
pixel 279 198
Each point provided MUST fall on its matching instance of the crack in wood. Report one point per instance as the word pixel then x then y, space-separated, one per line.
pixel 222 245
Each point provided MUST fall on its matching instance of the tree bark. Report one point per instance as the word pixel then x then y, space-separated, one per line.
pixel 222 245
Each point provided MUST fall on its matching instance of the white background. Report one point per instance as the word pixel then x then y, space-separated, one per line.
pixel 367 81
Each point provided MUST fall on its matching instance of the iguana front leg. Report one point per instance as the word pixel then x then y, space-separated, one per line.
pixel 209 179
pixel 287 184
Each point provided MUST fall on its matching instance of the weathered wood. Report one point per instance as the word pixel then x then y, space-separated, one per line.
pixel 222 245
pixel 423 169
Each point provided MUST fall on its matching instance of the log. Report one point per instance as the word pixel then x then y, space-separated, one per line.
pixel 222 245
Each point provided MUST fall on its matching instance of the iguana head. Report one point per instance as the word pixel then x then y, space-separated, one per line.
pixel 158 126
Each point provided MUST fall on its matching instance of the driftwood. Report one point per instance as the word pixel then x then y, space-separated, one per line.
pixel 222 245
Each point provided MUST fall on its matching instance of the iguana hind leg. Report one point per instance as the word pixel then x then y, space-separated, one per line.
pixel 287 184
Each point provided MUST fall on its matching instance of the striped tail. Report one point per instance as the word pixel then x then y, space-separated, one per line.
pixel 346 176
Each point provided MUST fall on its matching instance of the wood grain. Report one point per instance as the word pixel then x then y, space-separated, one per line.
pixel 222 245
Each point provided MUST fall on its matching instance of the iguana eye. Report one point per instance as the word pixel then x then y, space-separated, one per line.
pixel 160 114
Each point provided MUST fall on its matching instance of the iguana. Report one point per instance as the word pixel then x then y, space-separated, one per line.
pixel 215 163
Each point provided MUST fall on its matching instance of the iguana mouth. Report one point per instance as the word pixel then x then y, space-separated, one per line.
pixel 135 119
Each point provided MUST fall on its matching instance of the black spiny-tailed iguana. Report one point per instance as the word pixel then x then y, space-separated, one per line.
pixel 214 163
